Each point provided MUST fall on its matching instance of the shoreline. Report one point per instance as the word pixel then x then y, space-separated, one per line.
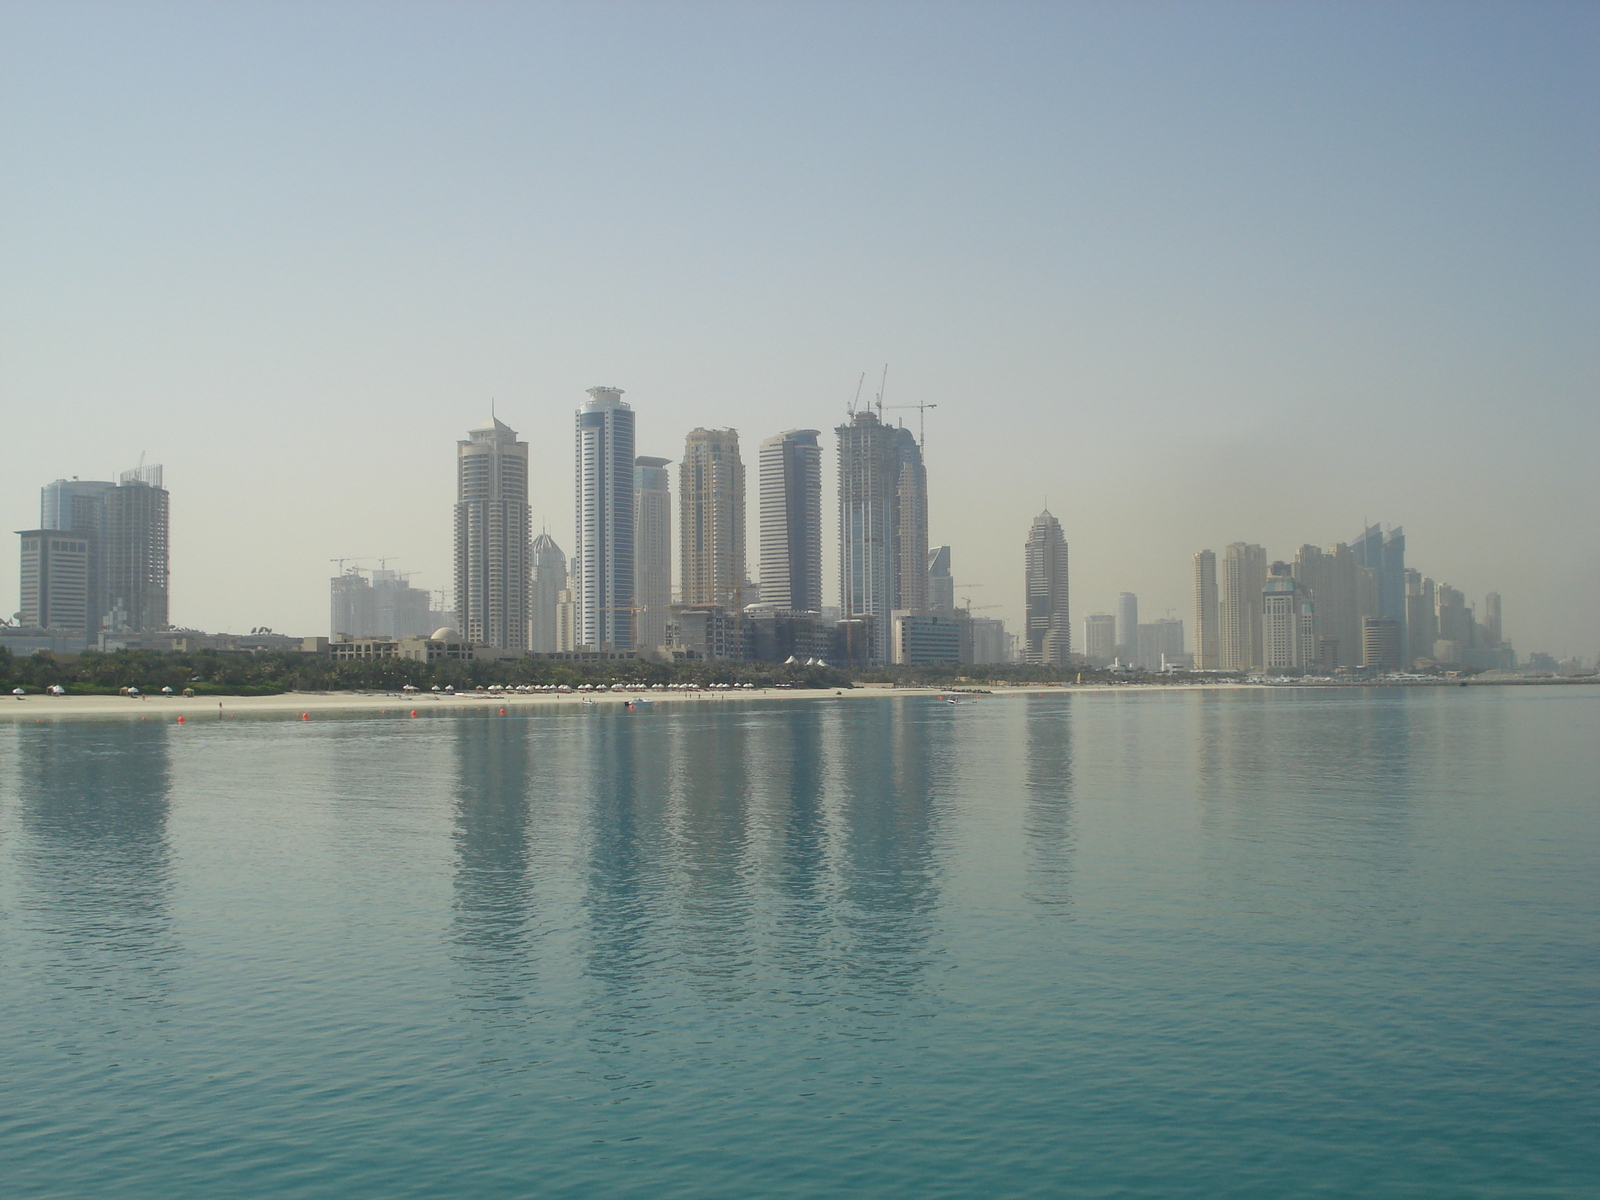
pixel 309 704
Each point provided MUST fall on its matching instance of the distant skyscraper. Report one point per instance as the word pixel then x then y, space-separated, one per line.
pixel 941 584
pixel 566 621
pixel 1100 638
pixel 1159 644
pixel 1128 626
pixel 1288 622
pixel 55 581
pixel 1207 652
pixel 387 606
pixel 602 563
pixel 791 521
pixel 548 584
pixel 1380 643
pixel 711 527
pixel 1049 624
pixel 1333 580
pixel 124 527
pixel 652 549
pixel 492 542
pixel 989 641
pixel 868 568
pixel 78 506
pixel 1384 554
pixel 1454 618
pixel 1243 578
pixel 133 551
pixel 1492 627
pixel 1421 628
pixel 911 524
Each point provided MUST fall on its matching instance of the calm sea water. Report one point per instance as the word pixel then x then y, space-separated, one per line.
pixel 1171 944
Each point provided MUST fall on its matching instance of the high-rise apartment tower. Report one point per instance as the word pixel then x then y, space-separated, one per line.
pixel 492 536
pixel 791 521
pixel 711 530
pixel 1244 575
pixel 1128 626
pixel 1049 622
pixel 1207 655
pixel 652 549
pixel 548 584
pixel 883 524
pixel 602 565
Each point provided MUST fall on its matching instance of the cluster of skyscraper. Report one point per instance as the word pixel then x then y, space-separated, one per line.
pixel 1344 606
pixel 1347 605
pixel 97 565
pixel 616 592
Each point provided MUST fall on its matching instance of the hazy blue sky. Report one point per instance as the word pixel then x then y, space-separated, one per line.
pixel 1193 273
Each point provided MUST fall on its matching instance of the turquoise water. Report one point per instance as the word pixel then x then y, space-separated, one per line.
pixel 1253 943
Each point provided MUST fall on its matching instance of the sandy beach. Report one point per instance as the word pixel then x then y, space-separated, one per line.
pixel 313 704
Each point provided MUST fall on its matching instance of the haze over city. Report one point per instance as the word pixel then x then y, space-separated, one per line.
pixel 1246 273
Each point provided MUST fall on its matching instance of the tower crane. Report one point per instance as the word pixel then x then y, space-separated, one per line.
pixel 922 419
pixel 347 558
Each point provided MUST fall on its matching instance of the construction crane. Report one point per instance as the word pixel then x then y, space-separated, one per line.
pixel 922 419
pixel 342 561
pixel 860 383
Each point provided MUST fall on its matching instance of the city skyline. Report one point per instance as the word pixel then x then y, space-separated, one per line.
pixel 1235 243
pixel 1314 618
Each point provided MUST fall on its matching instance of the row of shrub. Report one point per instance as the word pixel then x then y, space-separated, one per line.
pixel 222 673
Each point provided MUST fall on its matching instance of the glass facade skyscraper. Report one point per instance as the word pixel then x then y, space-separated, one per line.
pixel 602 564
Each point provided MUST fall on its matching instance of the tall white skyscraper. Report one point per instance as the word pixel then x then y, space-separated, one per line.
pixel 602 568
pixel 711 525
pixel 1244 576
pixel 1206 612
pixel 1049 621
pixel 1128 626
pixel 492 544
pixel 791 521
pixel 549 583
pixel 652 549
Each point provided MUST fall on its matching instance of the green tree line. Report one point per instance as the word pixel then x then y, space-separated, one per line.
pixel 241 673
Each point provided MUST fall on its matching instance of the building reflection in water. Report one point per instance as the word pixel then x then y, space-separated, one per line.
pixel 797 849
pixel 888 870
pixel 493 889
pixel 1047 821
pixel 620 764
pixel 714 879
pixel 725 843
pixel 96 865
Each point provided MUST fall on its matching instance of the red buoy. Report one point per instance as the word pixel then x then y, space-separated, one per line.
pixel 180 720
pixel 413 712
pixel 502 712
pixel 305 716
